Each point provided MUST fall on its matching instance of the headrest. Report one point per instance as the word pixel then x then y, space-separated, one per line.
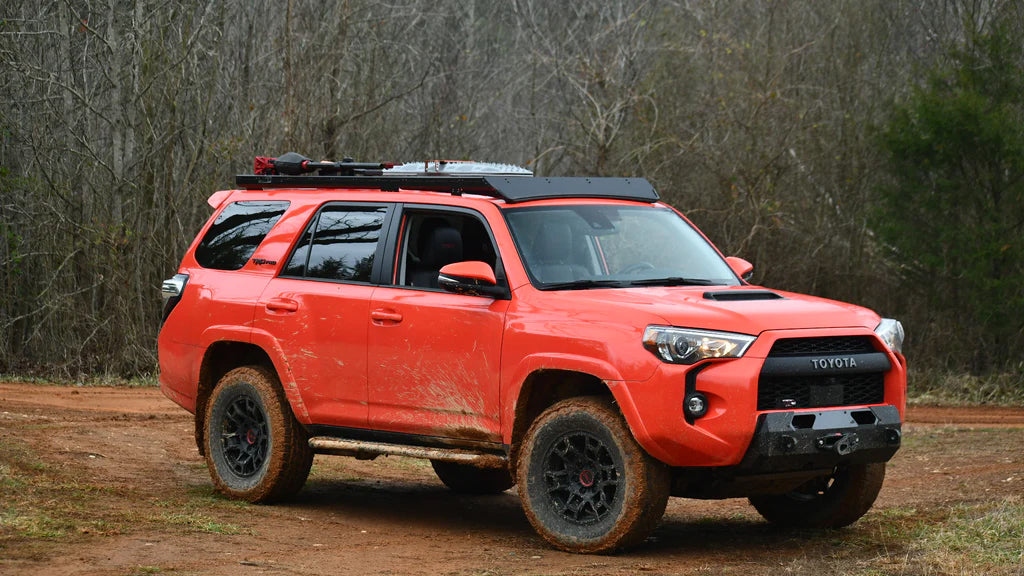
pixel 443 246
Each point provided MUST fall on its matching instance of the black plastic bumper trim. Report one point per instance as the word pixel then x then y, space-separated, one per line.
pixel 690 386
pixel 792 441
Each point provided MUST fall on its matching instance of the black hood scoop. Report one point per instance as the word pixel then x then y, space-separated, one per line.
pixel 741 295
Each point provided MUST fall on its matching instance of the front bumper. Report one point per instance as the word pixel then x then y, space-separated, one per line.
pixel 791 448
pixel 723 436
pixel 796 441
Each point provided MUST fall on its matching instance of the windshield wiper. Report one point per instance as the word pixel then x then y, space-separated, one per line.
pixel 672 281
pixel 582 284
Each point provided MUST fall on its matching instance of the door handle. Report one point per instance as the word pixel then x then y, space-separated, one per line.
pixel 282 305
pixel 382 315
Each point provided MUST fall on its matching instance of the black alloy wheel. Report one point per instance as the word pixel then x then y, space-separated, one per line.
pixel 586 485
pixel 245 436
pixel 582 478
pixel 255 448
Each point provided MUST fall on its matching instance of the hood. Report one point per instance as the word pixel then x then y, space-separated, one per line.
pixel 743 309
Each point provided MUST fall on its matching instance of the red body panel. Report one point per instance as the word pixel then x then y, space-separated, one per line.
pixel 720 438
pixel 323 340
pixel 434 363
pixel 415 361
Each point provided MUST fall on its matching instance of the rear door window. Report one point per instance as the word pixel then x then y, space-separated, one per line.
pixel 236 233
pixel 341 243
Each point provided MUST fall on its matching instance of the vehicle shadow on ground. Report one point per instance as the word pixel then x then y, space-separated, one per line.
pixel 735 538
pixel 416 505
pixel 419 506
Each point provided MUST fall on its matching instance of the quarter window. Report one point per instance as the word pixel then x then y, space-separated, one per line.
pixel 236 233
pixel 340 244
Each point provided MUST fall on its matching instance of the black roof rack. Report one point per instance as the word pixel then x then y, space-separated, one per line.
pixel 509 187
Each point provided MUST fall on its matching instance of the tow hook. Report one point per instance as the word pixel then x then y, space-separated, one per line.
pixel 842 444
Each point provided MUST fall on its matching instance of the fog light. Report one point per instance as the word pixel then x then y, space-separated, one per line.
pixel 695 405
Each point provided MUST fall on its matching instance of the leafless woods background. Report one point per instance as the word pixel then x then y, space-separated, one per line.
pixel 757 118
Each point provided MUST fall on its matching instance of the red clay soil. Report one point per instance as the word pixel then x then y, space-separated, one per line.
pixel 972 417
pixel 148 505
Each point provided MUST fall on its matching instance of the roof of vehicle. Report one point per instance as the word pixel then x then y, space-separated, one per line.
pixel 509 183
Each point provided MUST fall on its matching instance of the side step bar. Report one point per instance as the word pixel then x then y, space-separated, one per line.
pixel 369 450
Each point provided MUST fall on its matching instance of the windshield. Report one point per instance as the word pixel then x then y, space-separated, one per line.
pixel 603 245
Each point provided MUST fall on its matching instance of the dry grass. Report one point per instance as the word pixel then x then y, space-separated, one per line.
pixel 945 388
pixel 42 503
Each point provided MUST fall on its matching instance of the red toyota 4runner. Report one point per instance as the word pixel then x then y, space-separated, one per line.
pixel 574 336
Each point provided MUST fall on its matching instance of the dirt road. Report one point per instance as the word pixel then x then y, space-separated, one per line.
pixel 108 481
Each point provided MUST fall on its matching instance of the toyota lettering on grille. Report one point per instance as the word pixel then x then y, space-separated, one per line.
pixel 833 363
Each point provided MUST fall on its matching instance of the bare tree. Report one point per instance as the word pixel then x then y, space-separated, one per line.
pixel 121 117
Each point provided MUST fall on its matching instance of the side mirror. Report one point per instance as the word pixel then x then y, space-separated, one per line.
pixel 473 278
pixel 741 267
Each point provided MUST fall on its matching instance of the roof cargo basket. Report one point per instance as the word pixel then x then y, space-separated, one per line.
pixel 504 181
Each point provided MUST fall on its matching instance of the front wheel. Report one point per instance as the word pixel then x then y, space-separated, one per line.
pixel 585 484
pixel 827 502
pixel 255 449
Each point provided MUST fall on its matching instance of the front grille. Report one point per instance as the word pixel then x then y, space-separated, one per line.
pixel 825 345
pixel 791 392
pixel 787 392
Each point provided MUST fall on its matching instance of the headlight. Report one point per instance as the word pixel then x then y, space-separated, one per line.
pixel 891 332
pixel 680 346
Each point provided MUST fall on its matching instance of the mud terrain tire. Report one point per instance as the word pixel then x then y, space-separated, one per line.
pixel 466 479
pixel 255 449
pixel 832 502
pixel 585 484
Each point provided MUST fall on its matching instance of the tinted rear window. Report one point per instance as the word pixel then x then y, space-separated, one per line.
pixel 236 234
pixel 344 245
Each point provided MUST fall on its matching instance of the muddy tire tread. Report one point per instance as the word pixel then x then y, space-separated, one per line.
pixel 645 501
pixel 291 457
pixel 835 510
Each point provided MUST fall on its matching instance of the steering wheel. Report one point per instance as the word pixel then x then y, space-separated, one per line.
pixel 638 267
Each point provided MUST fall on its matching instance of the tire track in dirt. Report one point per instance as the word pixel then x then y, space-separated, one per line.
pixel 122 400
pixel 968 417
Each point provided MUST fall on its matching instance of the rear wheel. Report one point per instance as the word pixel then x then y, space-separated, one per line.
pixel 466 479
pixel 828 502
pixel 585 484
pixel 255 449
